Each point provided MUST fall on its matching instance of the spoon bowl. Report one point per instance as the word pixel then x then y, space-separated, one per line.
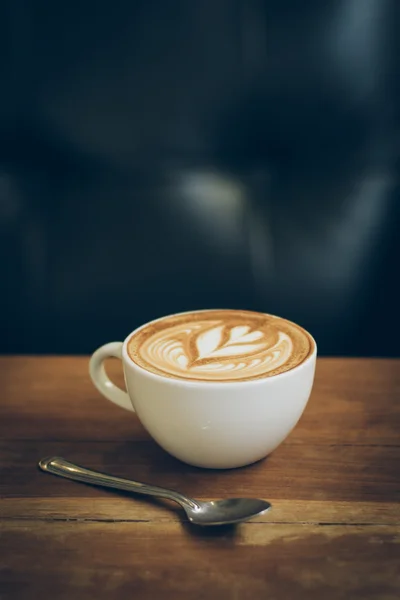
pixel 214 512
pixel 226 512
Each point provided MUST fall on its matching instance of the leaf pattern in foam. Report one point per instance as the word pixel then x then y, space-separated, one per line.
pixel 214 343
pixel 209 341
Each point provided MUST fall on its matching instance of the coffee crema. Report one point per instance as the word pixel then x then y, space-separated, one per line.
pixel 220 345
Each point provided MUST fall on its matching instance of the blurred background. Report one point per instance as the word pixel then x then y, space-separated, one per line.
pixel 166 155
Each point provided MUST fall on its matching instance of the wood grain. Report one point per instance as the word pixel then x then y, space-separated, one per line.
pixel 117 508
pixel 334 531
pixel 167 560
pixel 332 473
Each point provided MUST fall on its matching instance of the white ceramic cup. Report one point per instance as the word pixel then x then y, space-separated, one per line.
pixel 215 425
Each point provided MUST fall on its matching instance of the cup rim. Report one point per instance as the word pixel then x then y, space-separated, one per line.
pixel 217 383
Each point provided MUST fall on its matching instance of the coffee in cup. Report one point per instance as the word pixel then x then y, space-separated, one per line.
pixel 219 345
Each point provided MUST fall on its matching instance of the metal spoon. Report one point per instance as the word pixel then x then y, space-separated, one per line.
pixel 216 512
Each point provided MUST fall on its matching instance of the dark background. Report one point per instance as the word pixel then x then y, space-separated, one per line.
pixel 160 156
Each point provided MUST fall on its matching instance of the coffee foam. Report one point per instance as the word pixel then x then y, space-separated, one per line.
pixel 220 345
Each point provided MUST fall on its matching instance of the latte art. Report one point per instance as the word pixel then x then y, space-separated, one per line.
pixel 213 350
pixel 219 346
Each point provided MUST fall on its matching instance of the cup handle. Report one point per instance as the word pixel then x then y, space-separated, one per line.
pixel 100 378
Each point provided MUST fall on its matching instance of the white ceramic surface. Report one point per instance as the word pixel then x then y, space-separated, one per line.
pixel 218 425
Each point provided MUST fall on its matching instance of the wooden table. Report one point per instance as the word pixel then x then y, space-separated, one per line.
pixel 334 531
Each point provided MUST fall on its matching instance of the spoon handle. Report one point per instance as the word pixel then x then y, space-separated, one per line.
pixel 61 467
